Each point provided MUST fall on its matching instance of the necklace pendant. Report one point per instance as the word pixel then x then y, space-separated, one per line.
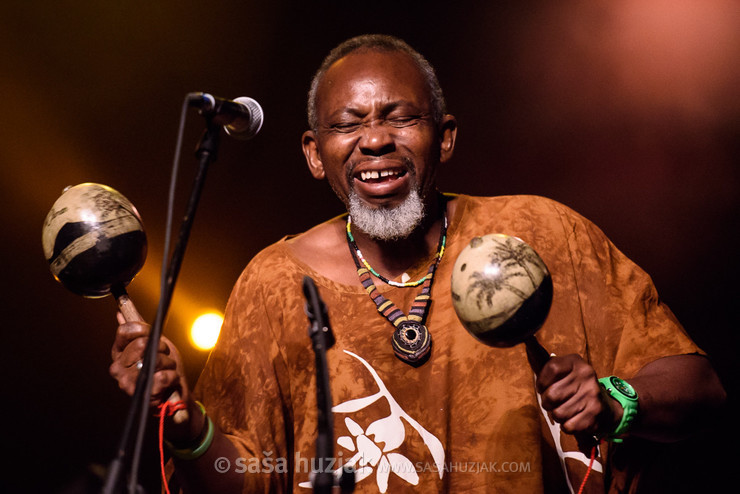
pixel 412 342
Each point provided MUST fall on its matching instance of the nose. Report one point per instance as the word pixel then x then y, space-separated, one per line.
pixel 376 139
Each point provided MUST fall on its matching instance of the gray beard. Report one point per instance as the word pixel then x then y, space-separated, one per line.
pixel 385 223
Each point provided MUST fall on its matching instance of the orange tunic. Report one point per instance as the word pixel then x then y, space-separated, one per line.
pixel 468 420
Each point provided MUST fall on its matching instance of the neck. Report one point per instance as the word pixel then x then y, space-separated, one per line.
pixel 393 257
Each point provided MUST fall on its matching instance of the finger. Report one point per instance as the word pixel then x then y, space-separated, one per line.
pixel 568 390
pixel 165 362
pixel 171 348
pixel 585 420
pixel 134 353
pixel 133 337
pixel 554 370
pixel 565 378
pixel 164 383
pixel 581 412
pixel 565 411
pixel 559 392
pixel 127 374
pixel 126 333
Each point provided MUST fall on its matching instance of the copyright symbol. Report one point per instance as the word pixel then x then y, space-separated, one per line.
pixel 222 465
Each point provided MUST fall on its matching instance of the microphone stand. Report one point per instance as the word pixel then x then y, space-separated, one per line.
pixel 322 339
pixel 206 153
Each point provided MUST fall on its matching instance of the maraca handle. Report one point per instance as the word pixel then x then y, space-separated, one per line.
pixel 536 354
pixel 128 309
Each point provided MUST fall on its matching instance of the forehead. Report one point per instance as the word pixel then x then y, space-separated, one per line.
pixel 368 78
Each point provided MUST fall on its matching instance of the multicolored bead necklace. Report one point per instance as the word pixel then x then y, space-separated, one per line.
pixel 411 341
pixel 358 253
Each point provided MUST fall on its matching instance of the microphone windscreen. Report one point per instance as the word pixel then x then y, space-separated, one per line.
pixel 246 128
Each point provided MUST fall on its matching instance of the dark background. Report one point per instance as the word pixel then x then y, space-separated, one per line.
pixel 626 111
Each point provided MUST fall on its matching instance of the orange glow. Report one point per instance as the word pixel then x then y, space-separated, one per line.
pixel 205 330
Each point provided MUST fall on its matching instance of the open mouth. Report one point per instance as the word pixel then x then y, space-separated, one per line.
pixel 382 179
pixel 380 176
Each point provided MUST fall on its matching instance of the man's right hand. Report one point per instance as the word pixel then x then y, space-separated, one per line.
pixel 128 356
pixel 169 382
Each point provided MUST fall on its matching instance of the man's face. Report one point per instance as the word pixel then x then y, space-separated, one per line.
pixel 376 136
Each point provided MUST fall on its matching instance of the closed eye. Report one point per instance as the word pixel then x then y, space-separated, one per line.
pixel 345 127
pixel 404 121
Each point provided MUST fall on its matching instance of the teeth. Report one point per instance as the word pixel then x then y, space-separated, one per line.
pixel 370 175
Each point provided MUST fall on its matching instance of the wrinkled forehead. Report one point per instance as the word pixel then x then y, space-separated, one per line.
pixel 372 76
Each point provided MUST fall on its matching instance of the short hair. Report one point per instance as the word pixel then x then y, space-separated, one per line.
pixel 377 42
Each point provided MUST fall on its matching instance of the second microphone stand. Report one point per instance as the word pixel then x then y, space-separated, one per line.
pixel 323 479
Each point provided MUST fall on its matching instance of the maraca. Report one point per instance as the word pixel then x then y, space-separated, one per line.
pixel 95 243
pixel 502 292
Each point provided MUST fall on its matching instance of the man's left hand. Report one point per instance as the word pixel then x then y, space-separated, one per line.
pixel 572 395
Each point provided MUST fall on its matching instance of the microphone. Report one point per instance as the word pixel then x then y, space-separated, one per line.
pixel 317 313
pixel 241 118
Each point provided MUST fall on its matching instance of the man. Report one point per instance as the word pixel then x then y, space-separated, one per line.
pixel 452 415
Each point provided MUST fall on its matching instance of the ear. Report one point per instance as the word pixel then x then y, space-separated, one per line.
pixel 311 152
pixel 447 137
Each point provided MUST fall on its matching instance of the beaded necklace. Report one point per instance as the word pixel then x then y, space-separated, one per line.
pixel 411 341
pixel 358 254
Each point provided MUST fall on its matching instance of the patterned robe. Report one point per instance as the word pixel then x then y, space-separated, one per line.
pixel 467 420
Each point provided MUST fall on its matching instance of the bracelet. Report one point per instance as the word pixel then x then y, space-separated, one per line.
pixel 198 449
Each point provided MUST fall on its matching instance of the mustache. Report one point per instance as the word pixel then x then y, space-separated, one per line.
pixel 352 165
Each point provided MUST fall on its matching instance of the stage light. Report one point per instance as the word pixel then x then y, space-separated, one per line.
pixel 205 329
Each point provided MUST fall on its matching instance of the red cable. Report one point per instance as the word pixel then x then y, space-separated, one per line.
pixel 590 467
pixel 166 409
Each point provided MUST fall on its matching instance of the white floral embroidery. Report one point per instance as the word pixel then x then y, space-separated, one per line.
pixel 370 456
pixel 374 447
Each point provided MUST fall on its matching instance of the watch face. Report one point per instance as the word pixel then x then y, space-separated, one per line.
pixel 623 387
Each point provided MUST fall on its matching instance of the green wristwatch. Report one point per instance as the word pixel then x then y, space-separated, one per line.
pixel 620 390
